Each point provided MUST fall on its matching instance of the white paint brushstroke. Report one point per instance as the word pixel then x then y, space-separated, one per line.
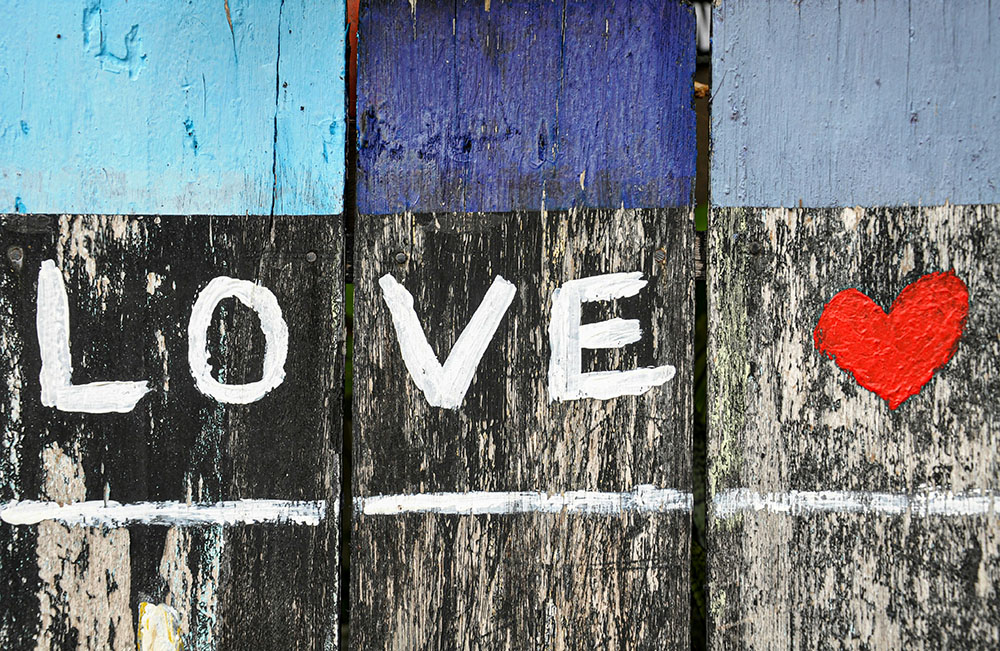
pixel 568 338
pixel 259 299
pixel 99 513
pixel 613 333
pixel 642 499
pixel 56 376
pixel 445 385
pixel 924 503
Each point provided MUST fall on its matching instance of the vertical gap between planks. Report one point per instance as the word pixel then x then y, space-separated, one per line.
pixel 347 444
pixel 699 440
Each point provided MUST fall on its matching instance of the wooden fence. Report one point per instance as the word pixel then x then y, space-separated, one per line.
pixel 510 200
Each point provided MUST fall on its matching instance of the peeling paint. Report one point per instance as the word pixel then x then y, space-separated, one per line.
pixel 153 282
pixel 13 428
pixel 572 465
pixel 175 570
pixel 206 601
pixel 417 153
pixel 91 598
pixel 108 513
pixel 95 44
pixel 642 499
pixel 881 518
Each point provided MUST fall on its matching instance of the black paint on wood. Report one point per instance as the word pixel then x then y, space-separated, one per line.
pixel 783 417
pixel 570 581
pixel 132 282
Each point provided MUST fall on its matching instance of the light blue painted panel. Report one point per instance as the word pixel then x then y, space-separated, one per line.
pixel 856 102
pixel 109 106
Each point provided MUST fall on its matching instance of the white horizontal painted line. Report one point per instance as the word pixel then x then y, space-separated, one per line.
pixel 927 502
pixel 643 499
pixel 112 514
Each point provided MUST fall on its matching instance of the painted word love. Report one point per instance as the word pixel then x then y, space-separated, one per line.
pixel 443 385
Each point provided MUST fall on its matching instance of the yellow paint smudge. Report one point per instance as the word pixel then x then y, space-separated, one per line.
pixel 159 629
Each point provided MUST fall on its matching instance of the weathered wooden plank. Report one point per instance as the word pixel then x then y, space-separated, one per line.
pixel 226 108
pixel 803 90
pixel 505 150
pixel 890 560
pixel 132 283
pixel 519 578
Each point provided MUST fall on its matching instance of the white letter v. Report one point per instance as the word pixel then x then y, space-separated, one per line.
pixel 445 386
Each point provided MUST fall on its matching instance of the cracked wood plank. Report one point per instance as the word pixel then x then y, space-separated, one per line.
pixel 542 142
pixel 131 283
pixel 532 580
pixel 783 417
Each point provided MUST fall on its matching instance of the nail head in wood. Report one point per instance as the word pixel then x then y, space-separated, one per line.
pixel 15 255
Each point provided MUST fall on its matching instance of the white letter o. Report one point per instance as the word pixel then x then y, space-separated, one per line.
pixel 259 299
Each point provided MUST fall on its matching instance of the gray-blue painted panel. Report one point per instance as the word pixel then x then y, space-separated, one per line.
pixel 856 102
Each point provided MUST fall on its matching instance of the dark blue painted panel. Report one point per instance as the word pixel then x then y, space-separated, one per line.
pixel 109 106
pixel 572 103
pixel 856 102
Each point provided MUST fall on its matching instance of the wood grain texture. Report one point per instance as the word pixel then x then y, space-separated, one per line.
pixel 131 283
pixel 782 417
pixel 516 581
pixel 468 106
pixel 851 102
pixel 228 107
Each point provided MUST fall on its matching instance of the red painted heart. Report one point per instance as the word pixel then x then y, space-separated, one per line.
pixel 895 354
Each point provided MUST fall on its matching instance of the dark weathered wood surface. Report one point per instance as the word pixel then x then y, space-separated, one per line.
pixel 131 283
pixel 530 580
pixel 542 142
pixel 783 417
